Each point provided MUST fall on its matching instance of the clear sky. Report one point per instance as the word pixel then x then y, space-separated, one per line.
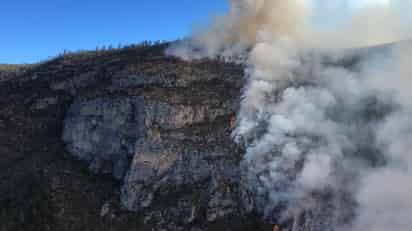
pixel 32 30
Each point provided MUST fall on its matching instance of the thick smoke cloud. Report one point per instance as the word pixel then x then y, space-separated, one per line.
pixel 384 196
pixel 245 24
pixel 311 23
pixel 327 127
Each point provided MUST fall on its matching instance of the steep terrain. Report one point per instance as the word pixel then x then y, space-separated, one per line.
pixel 122 140
pixel 131 139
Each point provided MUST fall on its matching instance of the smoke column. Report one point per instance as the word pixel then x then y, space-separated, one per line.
pixel 326 125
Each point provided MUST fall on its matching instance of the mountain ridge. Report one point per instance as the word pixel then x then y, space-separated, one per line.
pixel 126 139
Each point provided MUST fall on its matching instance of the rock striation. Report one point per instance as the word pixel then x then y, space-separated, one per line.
pixel 122 140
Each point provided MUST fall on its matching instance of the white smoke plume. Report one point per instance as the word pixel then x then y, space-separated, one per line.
pixel 327 126
pixel 247 20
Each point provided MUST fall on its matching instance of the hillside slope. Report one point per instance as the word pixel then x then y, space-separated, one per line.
pixel 12 70
pixel 125 139
pixel 121 140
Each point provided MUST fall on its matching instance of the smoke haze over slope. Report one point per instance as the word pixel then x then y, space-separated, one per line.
pixel 326 129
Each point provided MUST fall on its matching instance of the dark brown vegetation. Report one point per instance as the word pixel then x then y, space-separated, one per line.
pixel 12 70
pixel 44 188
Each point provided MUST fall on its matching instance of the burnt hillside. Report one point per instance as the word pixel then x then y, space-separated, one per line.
pixel 124 139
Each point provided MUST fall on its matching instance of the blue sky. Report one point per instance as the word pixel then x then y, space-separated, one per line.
pixel 32 30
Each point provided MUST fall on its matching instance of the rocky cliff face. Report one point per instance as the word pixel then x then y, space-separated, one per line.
pixel 122 140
